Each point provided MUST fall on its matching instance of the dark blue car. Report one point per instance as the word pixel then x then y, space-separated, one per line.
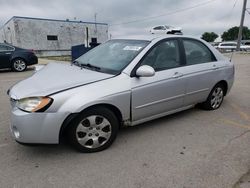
pixel 16 58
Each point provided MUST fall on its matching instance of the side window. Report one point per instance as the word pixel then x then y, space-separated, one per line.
pixel 159 28
pixel 1 48
pixel 197 53
pixel 9 48
pixel 5 48
pixel 165 55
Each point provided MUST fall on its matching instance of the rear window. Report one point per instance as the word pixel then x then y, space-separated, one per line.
pixel 5 48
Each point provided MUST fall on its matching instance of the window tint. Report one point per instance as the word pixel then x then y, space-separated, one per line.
pixel 197 53
pixel 159 28
pixel 165 55
pixel 2 48
pixel 5 48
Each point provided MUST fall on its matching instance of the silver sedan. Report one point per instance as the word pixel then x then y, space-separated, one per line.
pixel 123 82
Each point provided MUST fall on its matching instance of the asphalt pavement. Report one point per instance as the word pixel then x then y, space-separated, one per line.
pixel 190 149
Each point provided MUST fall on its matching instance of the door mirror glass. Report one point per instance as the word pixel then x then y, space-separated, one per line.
pixel 145 71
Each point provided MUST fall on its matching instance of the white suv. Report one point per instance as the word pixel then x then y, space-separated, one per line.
pixel 164 29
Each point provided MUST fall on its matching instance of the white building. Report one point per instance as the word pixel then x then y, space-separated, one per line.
pixel 50 37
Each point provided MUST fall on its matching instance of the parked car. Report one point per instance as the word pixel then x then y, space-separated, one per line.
pixel 244 47
pixel 123 82
pixel 214 44
pixel 16 58
pixel 164 29
pixel 231 46
pixel 245 42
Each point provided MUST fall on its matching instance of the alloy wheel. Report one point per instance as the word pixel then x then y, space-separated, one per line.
pixel 217 97
pixel 19 65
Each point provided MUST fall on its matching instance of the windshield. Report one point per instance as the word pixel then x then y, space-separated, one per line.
pixel 113 56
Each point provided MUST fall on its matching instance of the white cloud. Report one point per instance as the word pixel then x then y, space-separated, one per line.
pixel 217 16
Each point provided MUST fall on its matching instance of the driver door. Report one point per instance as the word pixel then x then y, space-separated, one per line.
pixel 163 92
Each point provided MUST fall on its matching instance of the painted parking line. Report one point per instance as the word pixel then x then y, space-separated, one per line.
pixel 243 114
pixel 235 124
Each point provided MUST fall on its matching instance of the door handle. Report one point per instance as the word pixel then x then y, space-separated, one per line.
pixel 177 75
pixel 7 53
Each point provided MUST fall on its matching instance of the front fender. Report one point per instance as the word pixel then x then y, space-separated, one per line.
pixel 115 92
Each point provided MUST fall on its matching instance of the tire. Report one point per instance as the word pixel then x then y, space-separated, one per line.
pixel 215 98
pixel 19 65
pixel 93 130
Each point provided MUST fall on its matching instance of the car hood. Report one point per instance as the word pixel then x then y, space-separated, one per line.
pixel 55 77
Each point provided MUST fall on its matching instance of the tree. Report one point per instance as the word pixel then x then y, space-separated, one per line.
pixel 209 36
pixel 232 34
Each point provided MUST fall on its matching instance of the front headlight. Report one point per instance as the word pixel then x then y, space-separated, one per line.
pixel 34 104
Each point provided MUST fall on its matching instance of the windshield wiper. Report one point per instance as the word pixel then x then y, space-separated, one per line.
pixel 75 62
pixel 90 66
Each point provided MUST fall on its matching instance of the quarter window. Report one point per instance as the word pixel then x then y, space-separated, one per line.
pixel 6 48
pixel 197 53
pixel 165 55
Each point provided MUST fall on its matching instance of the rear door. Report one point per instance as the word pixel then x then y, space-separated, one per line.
pixel 201 71
pixel 163 92
pixel 5 55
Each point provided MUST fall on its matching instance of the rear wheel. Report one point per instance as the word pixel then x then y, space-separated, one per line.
pixel 19 65
pixel 215 98
pixel 94 130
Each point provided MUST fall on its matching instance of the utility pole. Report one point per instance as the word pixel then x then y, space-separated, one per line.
pixel 95 23
pixel 241 24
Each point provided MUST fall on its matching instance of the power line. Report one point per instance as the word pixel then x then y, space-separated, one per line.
pixel 228 15
pixel 166 14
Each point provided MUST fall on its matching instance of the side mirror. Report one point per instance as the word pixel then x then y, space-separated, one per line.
pixel 145 71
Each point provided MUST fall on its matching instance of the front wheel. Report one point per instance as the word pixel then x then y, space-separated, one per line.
pixel 215 98
pixel 19 65
pixel 94 130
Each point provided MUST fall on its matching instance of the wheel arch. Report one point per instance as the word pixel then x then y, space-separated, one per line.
pixel 17 57
pixel 72 116
pixel 225 85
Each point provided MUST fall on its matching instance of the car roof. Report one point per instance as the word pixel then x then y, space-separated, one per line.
pixel 151 37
